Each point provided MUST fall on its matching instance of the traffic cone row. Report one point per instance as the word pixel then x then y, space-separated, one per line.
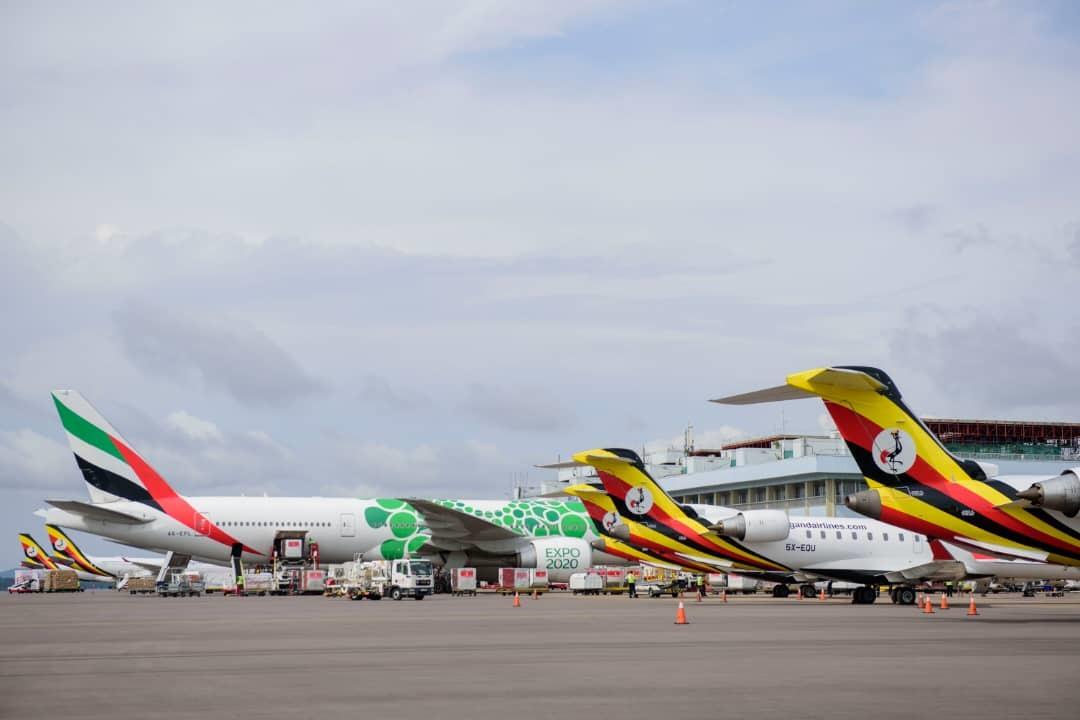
pixel 680 615
pixel 517 600
pixel 928 607
pixel 944 602
pixel 971 606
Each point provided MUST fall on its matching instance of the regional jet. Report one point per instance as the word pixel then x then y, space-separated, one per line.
pixel 917 484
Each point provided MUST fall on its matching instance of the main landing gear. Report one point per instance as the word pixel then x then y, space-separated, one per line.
pixel 902 595
pixel 863 596
pixel 781 591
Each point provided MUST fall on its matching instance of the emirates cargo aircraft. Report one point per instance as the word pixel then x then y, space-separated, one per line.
pixel 132 504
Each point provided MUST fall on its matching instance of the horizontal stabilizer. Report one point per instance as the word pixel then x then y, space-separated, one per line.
pixel 97 512
pixel 768 395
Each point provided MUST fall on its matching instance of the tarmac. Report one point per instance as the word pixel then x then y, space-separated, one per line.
pixel 106 654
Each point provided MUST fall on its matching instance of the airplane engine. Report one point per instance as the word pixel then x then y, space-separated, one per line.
pixel 562 556
pixel 1061 493
pixel 755 526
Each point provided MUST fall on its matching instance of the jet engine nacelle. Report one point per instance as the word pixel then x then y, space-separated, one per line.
pixel 756 526
pixel 561 556
pixel 1061 493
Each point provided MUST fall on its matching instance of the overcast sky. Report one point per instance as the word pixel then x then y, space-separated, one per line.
pixel 415 248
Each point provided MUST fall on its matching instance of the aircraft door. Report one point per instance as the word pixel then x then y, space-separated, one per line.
pixel 348 525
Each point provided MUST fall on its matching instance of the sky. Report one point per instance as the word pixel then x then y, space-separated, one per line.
pixel 414 249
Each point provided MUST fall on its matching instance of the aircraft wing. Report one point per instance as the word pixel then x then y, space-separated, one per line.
pixel 151 566
pixel 1000 550
pixel 97 512
pixel 452 528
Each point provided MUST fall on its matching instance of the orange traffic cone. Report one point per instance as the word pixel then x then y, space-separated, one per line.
pixel 928 607
pixel 971 606
pixel 821 595
pixel 517 600
pixel 944 602
pixel 680 615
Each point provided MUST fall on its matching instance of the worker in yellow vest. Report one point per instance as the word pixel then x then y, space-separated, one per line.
pixel 631 584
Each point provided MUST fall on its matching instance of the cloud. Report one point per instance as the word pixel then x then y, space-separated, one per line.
pixel 521 408
pixel 231 356
pixel 34 462
pixel 375 391
pixel 915 219
pixel 193 427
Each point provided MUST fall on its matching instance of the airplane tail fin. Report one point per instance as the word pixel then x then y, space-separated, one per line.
pixel 111 468
pixel 35 553
pixel 891 445
pixel 636 494
pixel 64 545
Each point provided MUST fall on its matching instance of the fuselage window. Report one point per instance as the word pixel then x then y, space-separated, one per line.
pixel 822 534
pixel 869 536
pixel 885 537
pixel 901 536
pixel 809 534
pixel 839 535
pixel 854 535
pixel 917 540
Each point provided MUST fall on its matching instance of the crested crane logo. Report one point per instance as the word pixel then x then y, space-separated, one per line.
pixel 31 551
pixel 610 520
pixel 639 500
pixel 894 451
pixel 59 544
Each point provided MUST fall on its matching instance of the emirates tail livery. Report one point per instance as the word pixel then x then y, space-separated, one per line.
pixel 131 503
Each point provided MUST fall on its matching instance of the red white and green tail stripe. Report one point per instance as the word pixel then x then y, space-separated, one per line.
pixel 114 471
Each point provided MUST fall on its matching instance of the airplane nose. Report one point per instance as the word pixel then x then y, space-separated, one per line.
pixel 867 502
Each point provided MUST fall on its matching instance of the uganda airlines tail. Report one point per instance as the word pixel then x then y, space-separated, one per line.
pixel 619 538
pixel 63 545
pixel 36 554
pixel 114 472
pixel 637 497
pixel 915 482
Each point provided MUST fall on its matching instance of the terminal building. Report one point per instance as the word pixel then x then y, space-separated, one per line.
pixel 811 474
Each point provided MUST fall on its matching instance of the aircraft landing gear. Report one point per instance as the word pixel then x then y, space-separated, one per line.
pixel 807 591
pixel 863 596
pixel 780 591
pixel 902 595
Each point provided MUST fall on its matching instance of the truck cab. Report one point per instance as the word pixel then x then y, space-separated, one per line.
pixel 411 578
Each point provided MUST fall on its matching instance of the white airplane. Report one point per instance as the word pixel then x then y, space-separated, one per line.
pixel 132 504
pixel 634 509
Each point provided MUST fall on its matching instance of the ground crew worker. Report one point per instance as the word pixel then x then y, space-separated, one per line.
pixel 240 584
pixel 631 584
pixel 701 587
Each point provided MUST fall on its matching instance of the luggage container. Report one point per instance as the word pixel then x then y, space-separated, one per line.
pixel 514 580
pixel 313 582
pixel 463 581
pixel 538 579
pixel 614 577
pixel 586 583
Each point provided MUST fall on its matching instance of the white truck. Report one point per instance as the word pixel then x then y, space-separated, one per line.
pixel 395 579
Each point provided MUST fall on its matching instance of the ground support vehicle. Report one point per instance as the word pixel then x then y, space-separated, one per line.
pixel 394 579
pixel 463 581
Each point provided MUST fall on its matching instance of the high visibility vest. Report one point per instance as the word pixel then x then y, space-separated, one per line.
pixel 630 578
